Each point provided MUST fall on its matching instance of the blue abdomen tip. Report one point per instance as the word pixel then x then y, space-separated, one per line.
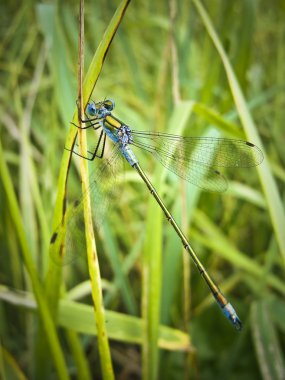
pixel 231 314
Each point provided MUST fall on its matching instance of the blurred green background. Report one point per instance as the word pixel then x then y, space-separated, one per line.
pixel 239 235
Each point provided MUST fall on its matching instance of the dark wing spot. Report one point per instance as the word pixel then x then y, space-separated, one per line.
pixel 249 144
pixel 53 238
pixel 217 172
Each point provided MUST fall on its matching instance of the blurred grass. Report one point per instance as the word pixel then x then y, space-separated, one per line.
pixel 239 235
pixel 266 177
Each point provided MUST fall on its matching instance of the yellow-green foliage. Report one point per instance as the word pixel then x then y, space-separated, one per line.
pixel 215 68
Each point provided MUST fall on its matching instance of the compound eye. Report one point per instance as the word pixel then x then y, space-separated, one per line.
pixel 91 109
pixel 109 104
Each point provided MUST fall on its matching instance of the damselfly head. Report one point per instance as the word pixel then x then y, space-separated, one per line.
pixel 91 109
pixel 102 109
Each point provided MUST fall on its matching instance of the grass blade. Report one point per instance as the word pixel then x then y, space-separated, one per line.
pixel 83 370
pixel 152 258
pixel 91 250
pixel 78 317
pixel 270 189
pixel 48 325
pixel 223 247
pixel 266 344
pixel 54 274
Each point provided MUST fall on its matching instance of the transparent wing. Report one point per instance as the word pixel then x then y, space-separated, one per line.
pixel 71 231
pixel 210 151
pixel 195 158
pixel 200 175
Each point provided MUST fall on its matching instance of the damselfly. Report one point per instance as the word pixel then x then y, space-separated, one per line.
pixel 194 159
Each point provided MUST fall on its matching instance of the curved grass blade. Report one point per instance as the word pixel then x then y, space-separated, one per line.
pixel 120 327
pixel 78 317
pixel 89 83
pixel 44 312
pixel 274 201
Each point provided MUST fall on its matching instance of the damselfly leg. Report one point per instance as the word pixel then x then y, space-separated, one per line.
pixel 93 153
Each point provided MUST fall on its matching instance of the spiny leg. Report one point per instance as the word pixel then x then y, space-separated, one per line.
pixel 92 125
pixel 94 154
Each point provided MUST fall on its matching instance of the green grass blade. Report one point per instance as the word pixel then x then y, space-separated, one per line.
pixel 93 262
pixel 54 274
pixel 9 368
pixel 89 83
pixel 217 241
pixel 275 205
pixel 81 362
pixel 121 279
pixel 219 121
pixel 48 325
pixel 120 327
pixel 100 55
pixel 277 311
pixel 79 317
pixel 47 15
pixel 247 193
pixel 267 346
pixel 152 286
pixel 152 257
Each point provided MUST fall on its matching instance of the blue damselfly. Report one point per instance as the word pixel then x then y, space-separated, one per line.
pixel 194 159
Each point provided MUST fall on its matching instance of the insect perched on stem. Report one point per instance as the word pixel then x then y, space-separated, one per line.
pixel 194 159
